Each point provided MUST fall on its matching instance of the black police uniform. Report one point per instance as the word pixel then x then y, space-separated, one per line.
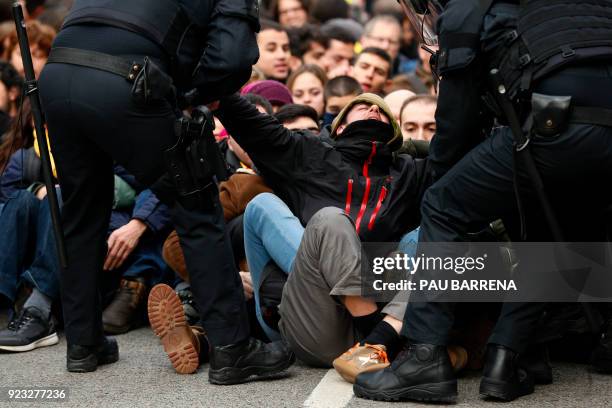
pixel 475 173
pixel 95 117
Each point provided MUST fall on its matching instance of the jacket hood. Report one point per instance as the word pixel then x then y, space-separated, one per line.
pixel 372 99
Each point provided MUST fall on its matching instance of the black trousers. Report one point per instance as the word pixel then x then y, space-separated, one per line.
pixel 576 167
pixel 93 122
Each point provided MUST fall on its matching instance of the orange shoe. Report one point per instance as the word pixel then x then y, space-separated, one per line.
pixel 458 357
pixel 361 359
pixel 169 324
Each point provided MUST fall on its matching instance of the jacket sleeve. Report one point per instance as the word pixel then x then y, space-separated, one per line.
pixel 151 211
pixel 12 179
pixel 276 151
pixel 230 52
pixel 458 119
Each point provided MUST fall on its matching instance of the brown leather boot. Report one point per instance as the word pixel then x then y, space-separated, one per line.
pixel 122 314
pixel 168 322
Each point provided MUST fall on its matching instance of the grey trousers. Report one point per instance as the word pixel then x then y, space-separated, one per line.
pixel 327 267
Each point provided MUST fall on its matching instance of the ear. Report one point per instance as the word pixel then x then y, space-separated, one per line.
pixel 340 129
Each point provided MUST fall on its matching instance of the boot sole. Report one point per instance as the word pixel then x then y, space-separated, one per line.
pixel 442 392
pixel 169 324
pixel 232 375
pixel 49 340
pixel 499 390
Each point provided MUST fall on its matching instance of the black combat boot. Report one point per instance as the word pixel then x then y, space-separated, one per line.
pixel 502 377
pixel 422 372
pixel 249 360
pixel 83 359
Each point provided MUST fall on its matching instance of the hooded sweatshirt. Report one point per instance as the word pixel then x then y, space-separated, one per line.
pixel 358 171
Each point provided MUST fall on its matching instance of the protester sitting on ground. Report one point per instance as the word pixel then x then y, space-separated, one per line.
pixel 378 191
pixel 307 87
pixel 371 69
pixel 396 100
pixel 274 51
pixel 338 93
pixel 133 257
pixel 298 117
pixel 418 121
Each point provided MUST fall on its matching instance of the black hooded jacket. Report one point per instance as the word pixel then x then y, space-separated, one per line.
pixel 380 190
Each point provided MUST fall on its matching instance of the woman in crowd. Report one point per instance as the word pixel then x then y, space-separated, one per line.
pixel 306 85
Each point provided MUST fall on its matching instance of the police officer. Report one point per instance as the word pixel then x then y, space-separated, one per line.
pixel 110 92
pixel 541 52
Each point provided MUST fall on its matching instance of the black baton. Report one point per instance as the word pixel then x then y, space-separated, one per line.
pixel 31 90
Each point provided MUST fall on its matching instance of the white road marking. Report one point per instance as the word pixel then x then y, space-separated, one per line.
pixel 331 392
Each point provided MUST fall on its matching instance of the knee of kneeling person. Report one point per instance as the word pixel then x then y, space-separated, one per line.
pixel 260 205
pixel 330 218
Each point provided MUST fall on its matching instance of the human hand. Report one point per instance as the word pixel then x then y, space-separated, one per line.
pixel 122 242
pixel 247 284
pixel 41 193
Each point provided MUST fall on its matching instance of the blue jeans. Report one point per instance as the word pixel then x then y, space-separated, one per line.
pixel 271 233
pixel 29 253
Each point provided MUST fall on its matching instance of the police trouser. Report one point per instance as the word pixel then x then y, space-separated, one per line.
pixel 576 168
pixel 93 122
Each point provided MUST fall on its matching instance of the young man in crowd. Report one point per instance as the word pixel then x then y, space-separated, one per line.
pixel 338 92
pixel 339 51
pixel 274 51
pixel 371 69
pixel 418 117
pixel 307 45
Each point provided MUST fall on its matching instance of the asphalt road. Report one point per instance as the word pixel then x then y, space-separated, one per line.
pixel 143 377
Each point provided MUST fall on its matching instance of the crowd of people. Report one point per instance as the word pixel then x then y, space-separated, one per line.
pixel 326 148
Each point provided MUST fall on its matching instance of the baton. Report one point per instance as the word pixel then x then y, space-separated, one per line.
pixel 31 91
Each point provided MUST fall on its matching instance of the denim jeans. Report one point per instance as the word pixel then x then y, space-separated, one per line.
pixel 29 253
pixel 271 233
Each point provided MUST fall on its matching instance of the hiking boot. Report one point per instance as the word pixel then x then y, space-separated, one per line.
pixel 84 359
pixel 189 307
pixel 249 360
pixel 502 378
pixel 422 372
pixel 28 331
pixel 168 322
pixel 361 359
pixel 123 313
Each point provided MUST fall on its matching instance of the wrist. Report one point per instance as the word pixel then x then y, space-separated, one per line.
pixel 139 225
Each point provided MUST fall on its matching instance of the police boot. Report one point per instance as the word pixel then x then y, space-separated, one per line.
pixel 84 359
pixel 502 377
pixel 249 360
pixel 422 372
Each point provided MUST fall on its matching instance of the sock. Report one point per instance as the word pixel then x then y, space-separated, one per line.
pixel 384 334
pixel 40 301
pixel 182 286
pixel 365 324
